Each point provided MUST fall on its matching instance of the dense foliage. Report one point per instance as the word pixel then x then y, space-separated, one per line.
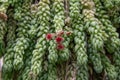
pixel 60 39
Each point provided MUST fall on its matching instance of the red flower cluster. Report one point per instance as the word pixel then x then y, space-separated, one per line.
pixel 58 38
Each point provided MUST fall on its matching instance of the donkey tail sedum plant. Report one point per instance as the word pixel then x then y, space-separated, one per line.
pixel 60 39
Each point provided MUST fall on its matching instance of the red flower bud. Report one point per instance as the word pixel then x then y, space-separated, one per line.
pixel 60 47
pixel 68 33
pixel 59 39
pixel 60 33
pixel 49 36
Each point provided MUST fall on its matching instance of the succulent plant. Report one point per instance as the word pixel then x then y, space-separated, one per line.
pixel 60 39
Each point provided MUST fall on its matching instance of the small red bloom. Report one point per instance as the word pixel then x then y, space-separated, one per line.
pixel 49 36
pixel 59 39
pixel 60 46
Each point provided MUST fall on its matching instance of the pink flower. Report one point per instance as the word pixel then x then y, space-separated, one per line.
pixel 60 46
